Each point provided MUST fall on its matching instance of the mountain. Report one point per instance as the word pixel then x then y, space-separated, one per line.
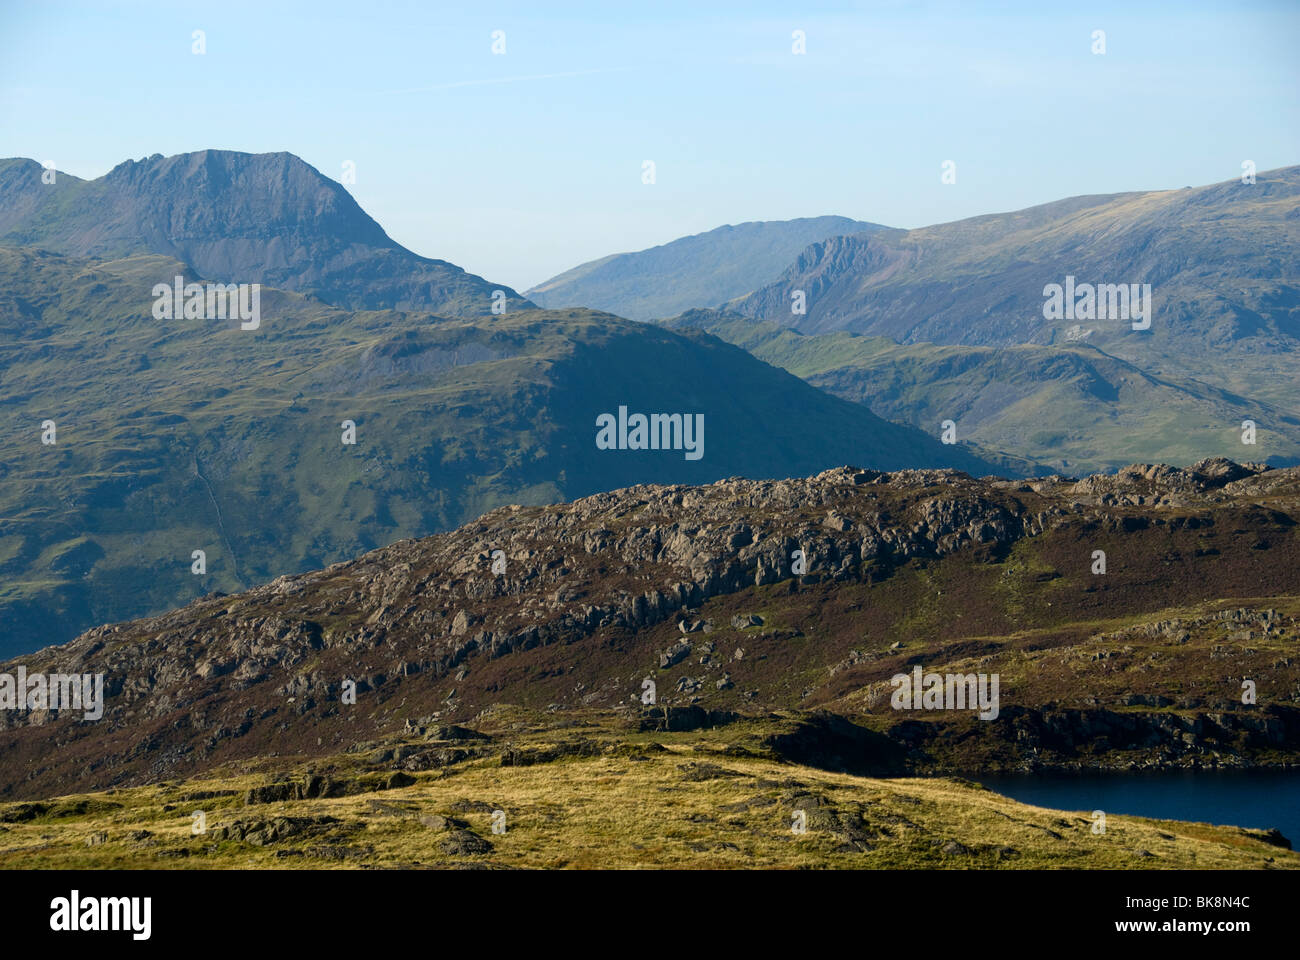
pixel 237 218
pixel 1221 262
pixel 1070 405
pixel 702 270
pixel 181 435
pixel 563 611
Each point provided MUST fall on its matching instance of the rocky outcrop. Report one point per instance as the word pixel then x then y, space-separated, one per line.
pixel 200 680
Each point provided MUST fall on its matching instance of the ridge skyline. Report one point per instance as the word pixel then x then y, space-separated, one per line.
pixel 672 235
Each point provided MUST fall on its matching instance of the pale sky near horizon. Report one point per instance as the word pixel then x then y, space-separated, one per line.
pixel 520 165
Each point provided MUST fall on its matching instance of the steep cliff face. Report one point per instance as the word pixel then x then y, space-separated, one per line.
pixel 737 595
pixel 240 218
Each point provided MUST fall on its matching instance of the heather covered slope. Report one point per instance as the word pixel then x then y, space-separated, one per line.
pixel 1138 667
pixel 184 435
pixel 237 218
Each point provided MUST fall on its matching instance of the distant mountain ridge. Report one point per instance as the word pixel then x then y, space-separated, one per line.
pixel 702 270
pixel 1222 261
pixel 237 217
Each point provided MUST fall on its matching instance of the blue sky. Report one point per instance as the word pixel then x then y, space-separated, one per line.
pixel 518 166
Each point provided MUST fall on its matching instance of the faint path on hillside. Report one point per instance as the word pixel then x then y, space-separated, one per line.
pixel 221 525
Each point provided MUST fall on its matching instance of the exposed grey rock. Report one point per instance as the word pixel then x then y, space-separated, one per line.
pixel 674 654
pixel 436 822
pixel 464 843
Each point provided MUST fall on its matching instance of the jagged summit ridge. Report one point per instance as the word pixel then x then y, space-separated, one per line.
pixel 266 218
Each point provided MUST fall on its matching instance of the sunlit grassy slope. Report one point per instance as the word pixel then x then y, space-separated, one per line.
pixel 665 800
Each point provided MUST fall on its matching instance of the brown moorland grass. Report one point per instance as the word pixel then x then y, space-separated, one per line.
pixel 692 804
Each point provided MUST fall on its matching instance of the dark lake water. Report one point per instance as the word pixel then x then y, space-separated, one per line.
pixel 1242 798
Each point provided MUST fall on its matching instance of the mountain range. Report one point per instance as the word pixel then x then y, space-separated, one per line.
pixel 954 322
pixel 1221 261
pixel 186 434
pixel 406 535
pixel 703 270
pixel 177 436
